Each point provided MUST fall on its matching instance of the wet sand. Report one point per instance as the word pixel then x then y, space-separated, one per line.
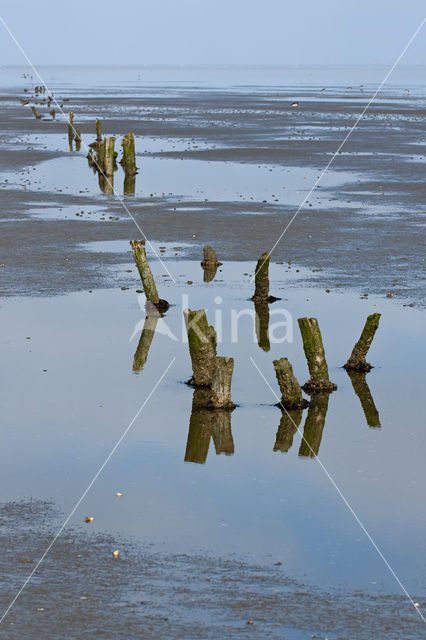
pixel 81 589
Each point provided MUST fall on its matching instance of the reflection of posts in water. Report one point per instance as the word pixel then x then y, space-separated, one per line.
pixel 77 139
pixel 204 425
pixel 209 272
pixel 363 392
pixel 262 324
pixel 289 423
pixel 106 183
pixel 147 335
pixel 129 185
pixel 314 425
pixel 209 263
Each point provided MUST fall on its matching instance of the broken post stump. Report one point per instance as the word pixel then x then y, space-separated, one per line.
pixel 315 356
pixel 357 360
pixel 128 161
pixel 98 130
pixel 261 280
pixel 202 347
pixel 220 397
pixel 70 127
pixel 35 112
pixel 209 263
pixel 148 282
pixel 291 393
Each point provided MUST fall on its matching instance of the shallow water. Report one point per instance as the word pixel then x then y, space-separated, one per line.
pixel 70 391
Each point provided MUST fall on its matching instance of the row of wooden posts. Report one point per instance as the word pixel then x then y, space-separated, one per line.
pixel 213 373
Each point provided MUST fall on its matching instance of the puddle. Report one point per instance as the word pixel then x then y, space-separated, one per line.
pixel 261 497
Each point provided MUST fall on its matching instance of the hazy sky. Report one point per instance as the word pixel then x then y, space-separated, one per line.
pixel 212 31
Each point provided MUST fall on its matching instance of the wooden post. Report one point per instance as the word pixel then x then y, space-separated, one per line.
pixel 363 392
pixel 357 360
pixel 315 356
pixel 128 161
pixel 148 282
pixel 147 336
pixel 98 130
pixel 261 278
pixel 314 426
pixel 289 423
pixel 129 185
pixel 109 159
pixel 291 393
pixel 202 347
pixel 209 263
pixel 70 127
pixel 220 397
pixel 36 113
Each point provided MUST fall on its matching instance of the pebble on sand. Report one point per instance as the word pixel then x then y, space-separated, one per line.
pixel 115 553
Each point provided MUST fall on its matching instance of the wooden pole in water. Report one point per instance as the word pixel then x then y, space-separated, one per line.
pixel 209 263
pixel 109 159
pixel 202 347
pixel 357 360
pixel 36 113
pixel 98 130
pixel 315 356
pixel 261 279
pixel 128 161
pixel 148 282
pixel 70 127
pixel 291 393
pixel 220 397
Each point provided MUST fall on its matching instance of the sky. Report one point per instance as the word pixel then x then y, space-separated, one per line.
pixel 249 32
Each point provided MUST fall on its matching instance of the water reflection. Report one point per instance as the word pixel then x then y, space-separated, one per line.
pixel 363 392
pixel 147 335
pixel 205 424
pixel 209 271
pixel 262 324
pixel 289 423
pixel 314 425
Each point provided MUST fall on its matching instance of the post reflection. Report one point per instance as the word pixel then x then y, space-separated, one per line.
pixel 314 425
pixel 147 335
pixel 289 423
pixel 262 324
pixel 363 392
pixel 205 424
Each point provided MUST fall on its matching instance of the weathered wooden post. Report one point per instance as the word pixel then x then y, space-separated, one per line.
pixel 202 347
pixel 98 130
pixel 357 360
pixel 291 393
pixel 314 426
pixel 289 423
pixel 261 279
pixel 129 185
pixel 315 356
pixel 220 397
pixel 128 161
pixel 109 159
pixel 52 113
pixel 363 392
pixel 209 263
pixel 148 282
pixel 35 112
pixel 147 335
pixel 262 324
pixel 70 127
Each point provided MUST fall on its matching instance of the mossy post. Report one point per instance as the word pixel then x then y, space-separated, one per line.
pixel 100 157
pixel 220 397
pixel 109 159
pixel 363 392
pixel 315 356
pixel 289 423
pixel 202 347
pixel 36 113
pixel 261 279
pixel 314 426
pixel 291 393
pixel 129 185
pixel 98 130
pixel 147 336
pixel 209 263
pixel 70 127
pixel 128 161
pixel 357 360
pixel 148 282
